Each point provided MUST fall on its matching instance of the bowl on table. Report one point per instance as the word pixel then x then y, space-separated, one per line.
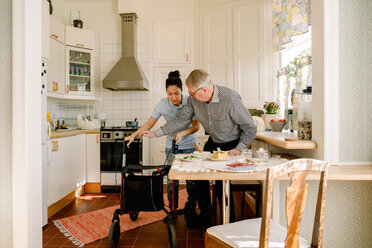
pixel 277 126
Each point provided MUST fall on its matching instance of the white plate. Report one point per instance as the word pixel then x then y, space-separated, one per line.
pixel 191 160
pixel 219 159
pixel 221 166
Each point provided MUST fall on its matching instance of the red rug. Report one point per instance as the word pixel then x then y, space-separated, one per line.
pixel 86 228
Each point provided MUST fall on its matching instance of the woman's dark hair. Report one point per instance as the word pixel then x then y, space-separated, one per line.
pixel 173 79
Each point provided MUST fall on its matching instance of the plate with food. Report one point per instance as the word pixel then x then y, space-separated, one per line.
pixel 201 154
pixel 219 156
pixel 191 158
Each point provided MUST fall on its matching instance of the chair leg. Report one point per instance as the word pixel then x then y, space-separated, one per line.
pixel 258 201
pixel 214 204
pixel 242 207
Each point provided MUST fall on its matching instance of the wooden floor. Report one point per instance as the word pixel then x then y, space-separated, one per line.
pixel 153 235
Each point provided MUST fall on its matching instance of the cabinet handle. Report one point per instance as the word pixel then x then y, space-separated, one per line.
pixel 54 146
pixel 55 36
pixel 187 57
pixel 80 45
pixel 67 88
pixel 55 86
pixel 57 146
pixel 97 139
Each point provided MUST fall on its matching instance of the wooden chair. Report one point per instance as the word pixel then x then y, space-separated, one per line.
pixel 264 233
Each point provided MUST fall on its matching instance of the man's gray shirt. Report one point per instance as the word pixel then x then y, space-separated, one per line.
pixel 225 118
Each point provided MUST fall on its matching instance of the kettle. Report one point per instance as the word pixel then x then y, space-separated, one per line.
pixel 133 124
pixel 78 23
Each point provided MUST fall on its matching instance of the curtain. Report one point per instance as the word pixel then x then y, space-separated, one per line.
pixel 290 17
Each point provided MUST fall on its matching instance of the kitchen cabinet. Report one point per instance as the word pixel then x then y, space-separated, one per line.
pixel 172 41
pixel 67 166
pixel 56 67
pixel 78 37
pixel 234 47
pixel 79 71
pixel 93 158
pixel 57 30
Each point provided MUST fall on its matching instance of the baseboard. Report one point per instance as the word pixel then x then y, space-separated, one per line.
pixel 92 187
pixel 56 207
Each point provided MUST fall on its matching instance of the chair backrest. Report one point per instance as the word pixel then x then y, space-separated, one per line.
pixel 297 171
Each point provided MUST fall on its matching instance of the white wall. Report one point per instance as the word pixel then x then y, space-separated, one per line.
pixel 26 125
pixel 6 207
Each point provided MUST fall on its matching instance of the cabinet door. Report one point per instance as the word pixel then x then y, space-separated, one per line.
pixel 172 43
pixel 56 67
pixel 93 158
pixel 79 160
pixel 216 32
pixel 57 29
pixel 249 57
pixel 64 167
pixel 78 37
pixel 79 71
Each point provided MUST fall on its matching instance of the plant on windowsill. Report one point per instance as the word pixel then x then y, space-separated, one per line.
pixel 272 111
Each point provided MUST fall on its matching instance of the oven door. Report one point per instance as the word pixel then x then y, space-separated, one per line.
pixel 112 154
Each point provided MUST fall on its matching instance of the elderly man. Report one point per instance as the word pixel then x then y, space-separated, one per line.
pixel 228 122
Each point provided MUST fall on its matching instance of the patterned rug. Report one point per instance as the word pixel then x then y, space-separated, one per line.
pixel 86 228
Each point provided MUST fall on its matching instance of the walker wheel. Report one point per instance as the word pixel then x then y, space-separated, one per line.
pixel 133 216
pixel 114 234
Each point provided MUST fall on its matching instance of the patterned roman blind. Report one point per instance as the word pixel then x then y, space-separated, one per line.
pixel 290 17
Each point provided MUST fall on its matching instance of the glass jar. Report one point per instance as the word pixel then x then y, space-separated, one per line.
pixel 304 120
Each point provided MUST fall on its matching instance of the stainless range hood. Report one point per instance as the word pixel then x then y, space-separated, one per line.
pixel 126 73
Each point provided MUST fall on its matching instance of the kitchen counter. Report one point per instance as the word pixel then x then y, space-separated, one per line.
pixel 278 139
pixel 72 132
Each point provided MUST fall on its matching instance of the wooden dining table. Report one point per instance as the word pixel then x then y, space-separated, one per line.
pixel 182 170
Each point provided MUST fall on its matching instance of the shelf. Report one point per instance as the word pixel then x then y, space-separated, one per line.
pixel 278 139
pixel 80 76
pixel 80 63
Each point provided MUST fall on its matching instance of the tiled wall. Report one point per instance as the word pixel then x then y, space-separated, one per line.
pixel 121 106
pixel 6 234
pixel 69 110
pixel 355 81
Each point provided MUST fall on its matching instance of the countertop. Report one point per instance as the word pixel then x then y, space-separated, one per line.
pixel 278 139
pixel 72 132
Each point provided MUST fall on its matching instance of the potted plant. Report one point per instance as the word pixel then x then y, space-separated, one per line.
pixel 272 110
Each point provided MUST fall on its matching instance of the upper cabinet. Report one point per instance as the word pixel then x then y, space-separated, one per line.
pixel 233 48
pixel 56 68
pixel 71 62
pixel 172 42
pixel 57 30
pixel 78 37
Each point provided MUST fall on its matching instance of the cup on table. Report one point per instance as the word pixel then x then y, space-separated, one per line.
pixel 247 153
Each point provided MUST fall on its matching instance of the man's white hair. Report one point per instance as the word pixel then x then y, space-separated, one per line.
pixel 198 78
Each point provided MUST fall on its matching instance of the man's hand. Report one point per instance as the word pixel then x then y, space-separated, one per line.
pixel 130 139
pixel 234 152
pixel 150 134
pixel 178 137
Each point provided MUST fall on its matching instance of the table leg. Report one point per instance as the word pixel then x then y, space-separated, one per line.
pixel 226 201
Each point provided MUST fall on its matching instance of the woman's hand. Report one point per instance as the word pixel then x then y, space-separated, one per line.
pixel 150 134
pixel 130 139
pixel 234 152
pixel 178 137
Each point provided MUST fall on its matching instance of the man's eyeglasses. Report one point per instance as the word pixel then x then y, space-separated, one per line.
pixel 193 93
